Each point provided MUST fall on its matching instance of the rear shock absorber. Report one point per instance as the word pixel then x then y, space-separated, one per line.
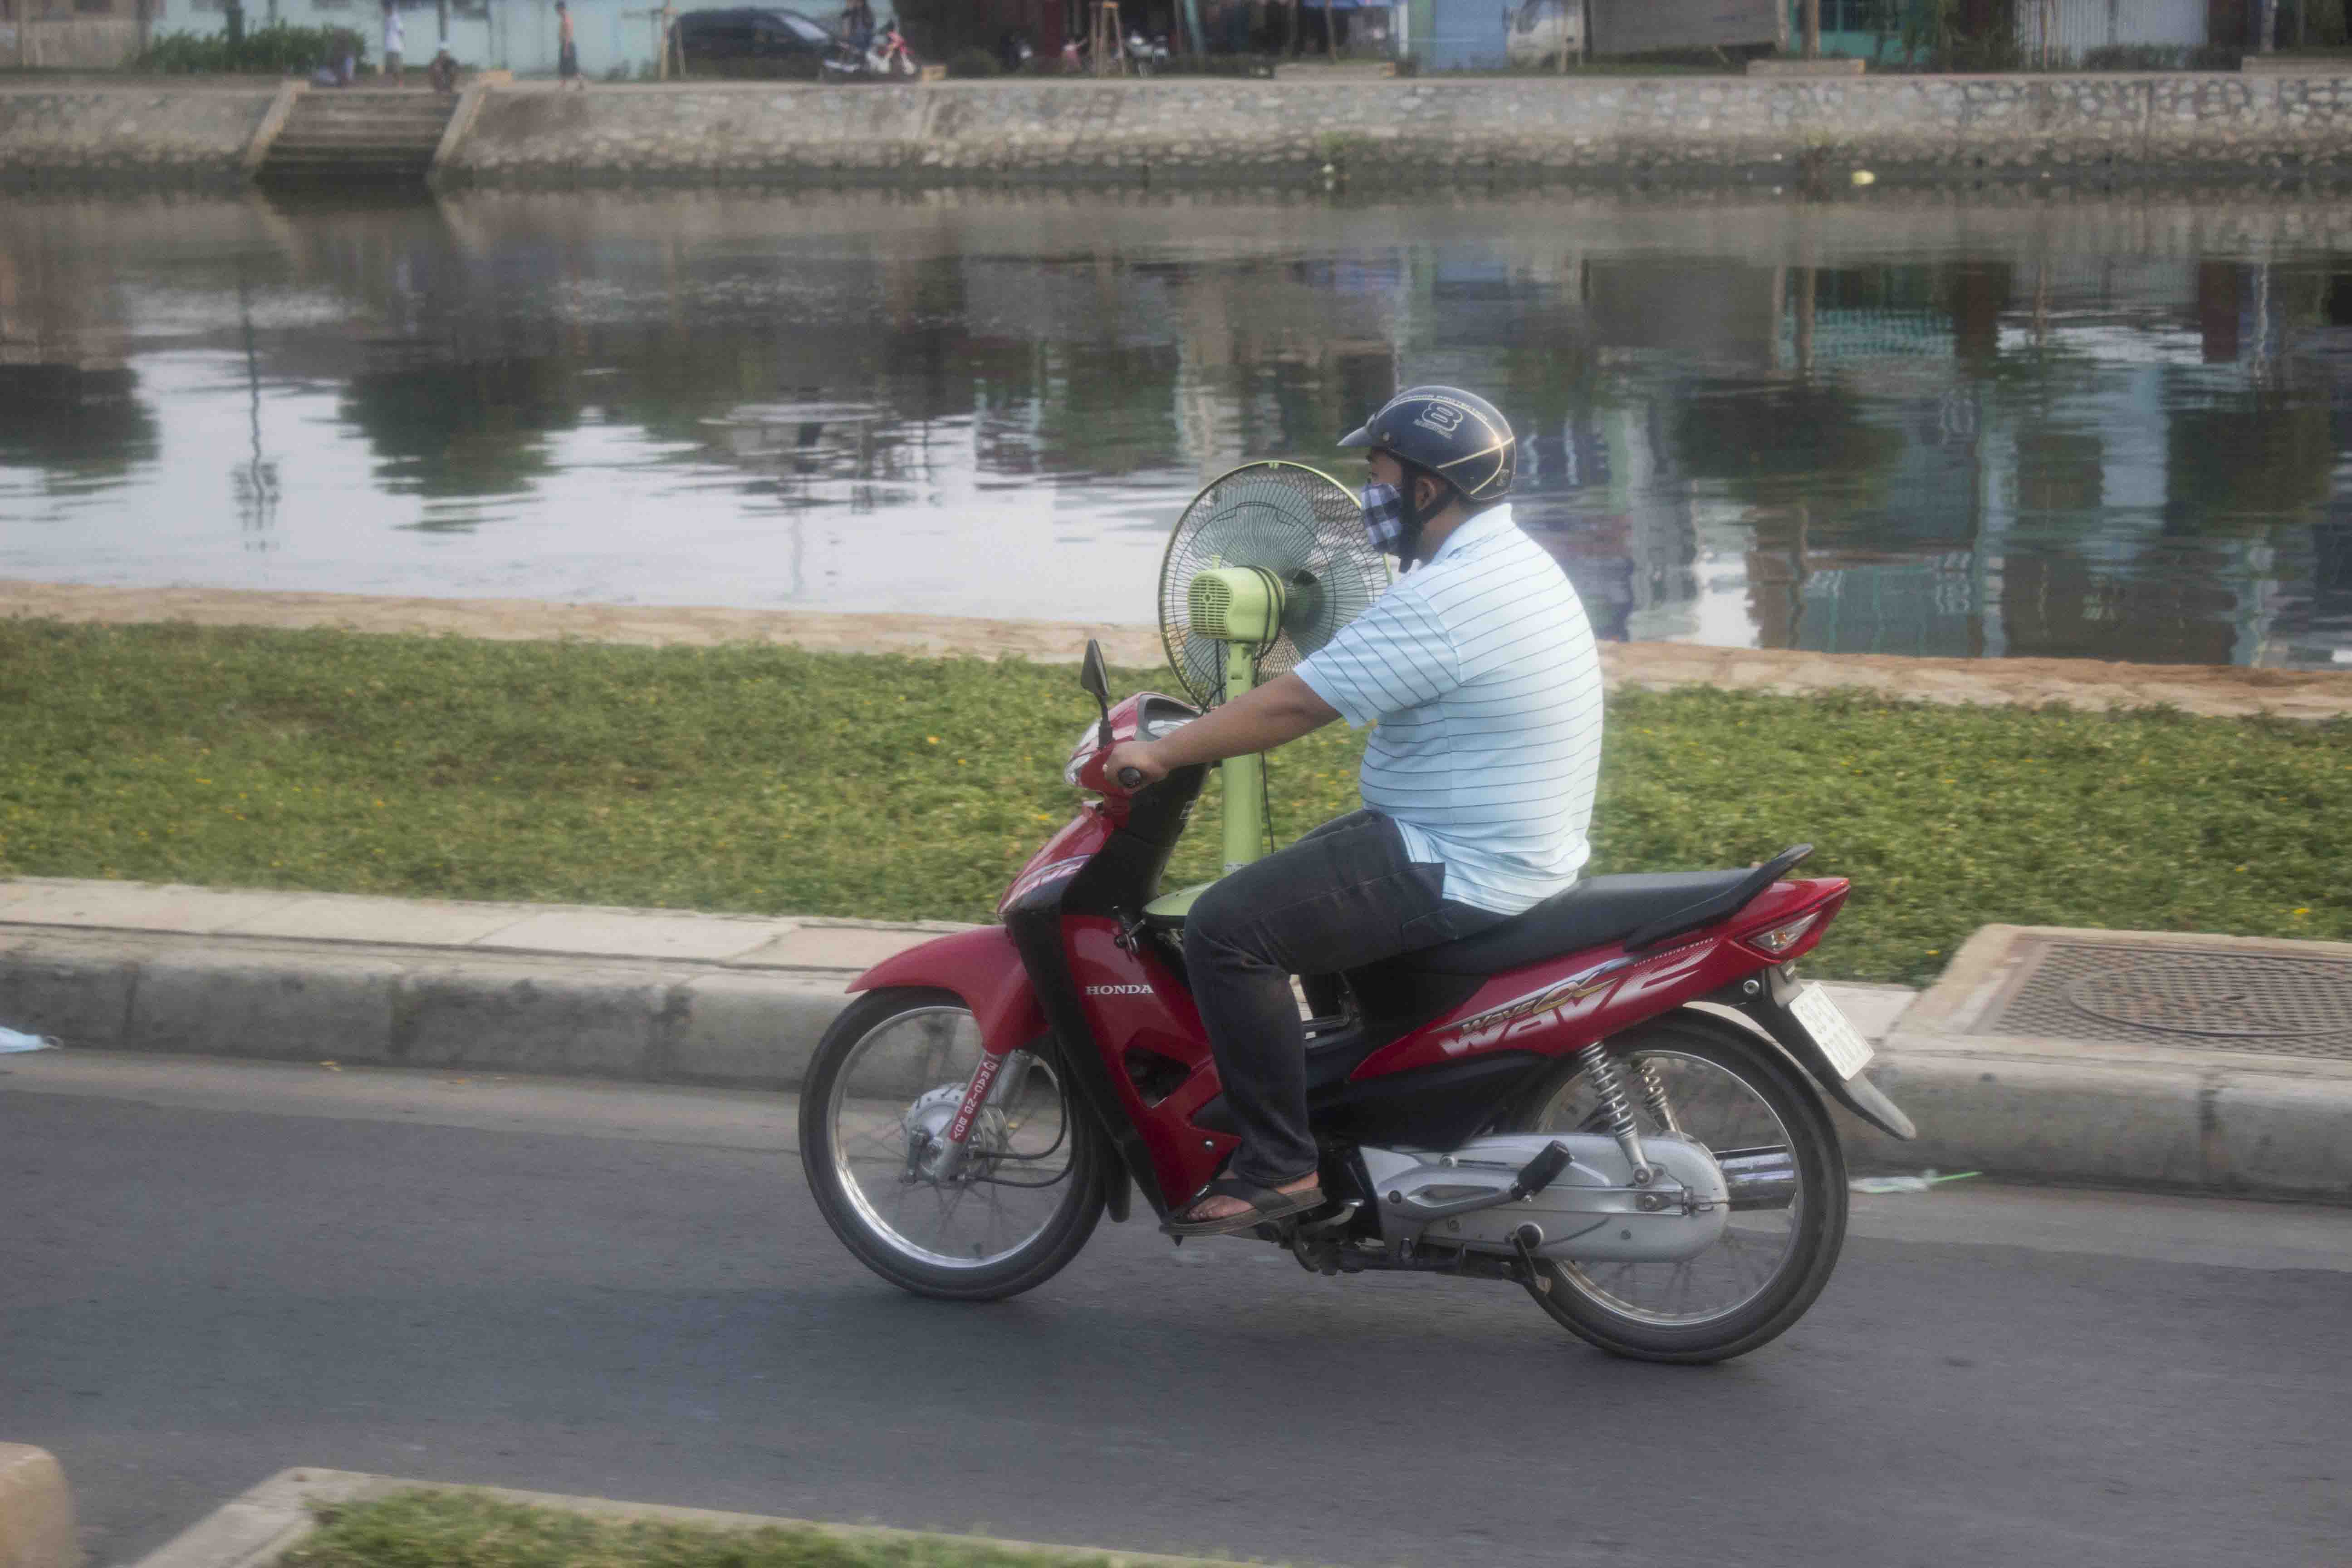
pixel 1610 1087
pixel 1653 1091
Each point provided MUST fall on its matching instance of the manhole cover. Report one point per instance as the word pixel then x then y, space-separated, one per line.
pixel 2219 1001
pixel 2237 997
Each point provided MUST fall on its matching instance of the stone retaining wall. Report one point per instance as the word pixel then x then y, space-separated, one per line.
pixel 154 132
pixel 2154 126
pixel 1179 127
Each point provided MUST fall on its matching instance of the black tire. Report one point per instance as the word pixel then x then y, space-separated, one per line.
pixel 1817 1235
pixel 1032 1264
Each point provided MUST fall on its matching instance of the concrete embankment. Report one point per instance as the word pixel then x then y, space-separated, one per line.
pixel 2179 125
pixel 157 131
pixel 2211 690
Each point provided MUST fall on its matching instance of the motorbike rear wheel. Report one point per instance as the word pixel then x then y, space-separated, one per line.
pixel 885 1081
pixel 1728 1090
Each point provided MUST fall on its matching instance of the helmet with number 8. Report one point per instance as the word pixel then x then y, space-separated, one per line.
pixel 1457 436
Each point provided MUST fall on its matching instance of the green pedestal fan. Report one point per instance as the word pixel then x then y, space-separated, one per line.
pixel 1263 568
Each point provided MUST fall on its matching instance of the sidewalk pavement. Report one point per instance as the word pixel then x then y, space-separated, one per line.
pixel 2225 1101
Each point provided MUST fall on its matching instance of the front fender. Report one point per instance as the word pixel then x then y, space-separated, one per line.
pixel 982 967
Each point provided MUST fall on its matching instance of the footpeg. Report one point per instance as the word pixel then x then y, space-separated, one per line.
pixel 1330 1221
pixel 1315 1241
pixel 1542 1171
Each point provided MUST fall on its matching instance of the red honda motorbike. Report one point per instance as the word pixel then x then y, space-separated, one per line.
pixel 1616 1101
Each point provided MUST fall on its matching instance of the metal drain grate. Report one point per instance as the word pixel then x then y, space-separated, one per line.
pixel 2216 1001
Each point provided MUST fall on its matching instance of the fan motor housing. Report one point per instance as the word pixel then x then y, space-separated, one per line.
pixel 1236 604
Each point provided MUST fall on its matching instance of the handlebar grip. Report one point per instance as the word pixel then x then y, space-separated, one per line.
pixel 1131 778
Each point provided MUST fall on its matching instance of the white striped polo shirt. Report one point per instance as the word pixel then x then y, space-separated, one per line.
pixel 1480 670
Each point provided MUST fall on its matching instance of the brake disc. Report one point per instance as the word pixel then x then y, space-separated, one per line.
pixel 926 1124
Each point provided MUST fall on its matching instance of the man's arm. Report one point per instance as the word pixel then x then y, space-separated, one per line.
pixel 1257 721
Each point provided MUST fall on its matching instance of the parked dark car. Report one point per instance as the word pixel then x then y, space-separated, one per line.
pixel 753 41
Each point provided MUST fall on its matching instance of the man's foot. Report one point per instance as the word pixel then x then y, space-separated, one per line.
pixel 1230 1204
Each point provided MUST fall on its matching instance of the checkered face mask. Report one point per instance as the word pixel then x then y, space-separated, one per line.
pixel 1384 519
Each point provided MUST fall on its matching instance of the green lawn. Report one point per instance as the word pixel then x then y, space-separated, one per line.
pixel 772 780
pixel 467 1529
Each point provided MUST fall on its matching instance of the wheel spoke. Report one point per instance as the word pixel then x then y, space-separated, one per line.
pixel 892 1097
pixel 1717 1109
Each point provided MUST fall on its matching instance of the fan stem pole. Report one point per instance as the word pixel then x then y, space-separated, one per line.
pixel 1244 808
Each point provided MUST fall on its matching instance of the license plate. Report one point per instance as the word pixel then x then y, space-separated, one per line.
pixel 1848 1052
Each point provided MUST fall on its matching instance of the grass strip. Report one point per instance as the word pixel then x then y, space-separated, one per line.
pixel 431 1529
pixel 773 780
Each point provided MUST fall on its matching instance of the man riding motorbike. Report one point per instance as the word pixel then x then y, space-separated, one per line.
pixel 1479 668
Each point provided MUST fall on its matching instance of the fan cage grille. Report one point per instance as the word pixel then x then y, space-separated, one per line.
pixel 1294 521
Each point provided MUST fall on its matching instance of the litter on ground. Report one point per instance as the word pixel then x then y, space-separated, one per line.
pixel 1919 1184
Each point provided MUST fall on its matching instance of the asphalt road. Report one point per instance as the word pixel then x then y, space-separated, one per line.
pixel 211 1271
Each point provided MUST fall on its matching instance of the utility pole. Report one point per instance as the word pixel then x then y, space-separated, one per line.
pixel 1811 12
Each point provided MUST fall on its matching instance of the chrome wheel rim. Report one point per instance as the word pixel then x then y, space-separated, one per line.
pixel 898 1086
pixel 1715 1107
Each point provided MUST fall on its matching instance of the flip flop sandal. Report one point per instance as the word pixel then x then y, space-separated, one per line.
pixel 1264 1204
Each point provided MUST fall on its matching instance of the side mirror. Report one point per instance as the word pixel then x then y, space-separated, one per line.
pixel 1095 679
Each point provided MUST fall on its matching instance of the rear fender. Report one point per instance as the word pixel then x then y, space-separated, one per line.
pixel 1766 1013
pixel 979 966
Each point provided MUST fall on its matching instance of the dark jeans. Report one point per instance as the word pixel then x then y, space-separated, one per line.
pixel 1341 897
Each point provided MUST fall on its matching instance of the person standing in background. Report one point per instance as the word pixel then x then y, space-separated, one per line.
pixel 567 50
pixel 394 40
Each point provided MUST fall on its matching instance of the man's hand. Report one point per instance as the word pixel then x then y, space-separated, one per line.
pixel 1136 755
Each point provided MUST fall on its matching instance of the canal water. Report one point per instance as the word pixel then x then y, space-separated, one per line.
pixel 1994 425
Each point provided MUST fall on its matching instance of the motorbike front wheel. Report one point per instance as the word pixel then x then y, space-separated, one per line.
pixel 887 1080
pixel 1709 1081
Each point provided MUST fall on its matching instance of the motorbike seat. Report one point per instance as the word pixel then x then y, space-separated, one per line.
pixel 1640 910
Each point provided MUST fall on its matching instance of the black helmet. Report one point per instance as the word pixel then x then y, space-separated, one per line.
pixel 1457 435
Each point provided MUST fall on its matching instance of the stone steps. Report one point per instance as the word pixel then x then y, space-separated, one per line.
pixel 377 133
pixel 359 137
pixel 363 114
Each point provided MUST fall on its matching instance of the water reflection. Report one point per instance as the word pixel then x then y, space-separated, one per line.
pixel 2113 429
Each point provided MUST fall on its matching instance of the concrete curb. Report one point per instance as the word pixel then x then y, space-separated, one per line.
pixel 2062 1119
pixel 664 996
pixel 258 1527
pixel 2142 1115
pixel 742 1003
pixel 663 1020
pixel 36 1513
